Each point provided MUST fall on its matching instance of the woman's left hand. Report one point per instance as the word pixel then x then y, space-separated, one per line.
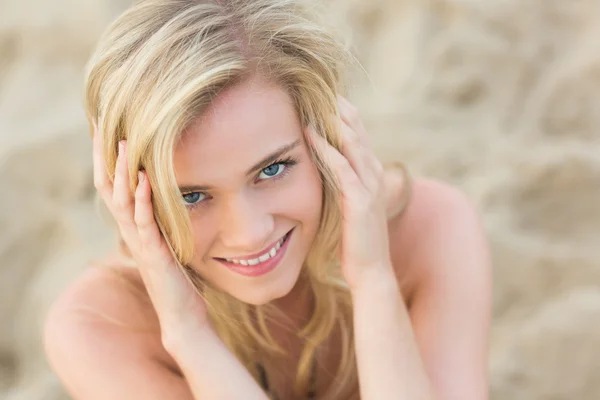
pixel 365 244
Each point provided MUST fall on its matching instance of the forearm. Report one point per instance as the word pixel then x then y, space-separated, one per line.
pixel 211 370
pixel 389 364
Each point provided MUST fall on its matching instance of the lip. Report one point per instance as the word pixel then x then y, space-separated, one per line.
pixel 264 267
pixel 255 255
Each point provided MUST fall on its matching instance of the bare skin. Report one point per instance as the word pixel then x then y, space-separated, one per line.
pixel 440 260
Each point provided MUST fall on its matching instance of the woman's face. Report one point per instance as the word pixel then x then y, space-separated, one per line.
pixel 253 194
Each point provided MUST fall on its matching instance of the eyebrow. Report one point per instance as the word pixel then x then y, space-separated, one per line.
pixel 263 163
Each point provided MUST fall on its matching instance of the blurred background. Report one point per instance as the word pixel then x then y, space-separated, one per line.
pixel 500 98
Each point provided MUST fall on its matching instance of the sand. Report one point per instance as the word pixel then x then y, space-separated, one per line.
pixel 499 98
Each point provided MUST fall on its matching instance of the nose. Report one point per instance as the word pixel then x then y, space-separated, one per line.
pixel 246 226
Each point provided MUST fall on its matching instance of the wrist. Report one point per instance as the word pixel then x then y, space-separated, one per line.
pixel 376 278
pixel 176 339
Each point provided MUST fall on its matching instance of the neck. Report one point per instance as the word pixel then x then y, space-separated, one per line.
pixel 298 303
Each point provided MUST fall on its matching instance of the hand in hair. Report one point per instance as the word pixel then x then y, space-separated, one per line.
pixel 172 295
pixel 362 180
pixel 388 359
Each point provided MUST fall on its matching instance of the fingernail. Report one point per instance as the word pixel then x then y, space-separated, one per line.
pixel 121 146
pixel 140 177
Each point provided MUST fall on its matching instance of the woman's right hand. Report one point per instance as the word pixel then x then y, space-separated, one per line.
pixel 175 300
pixel 187 335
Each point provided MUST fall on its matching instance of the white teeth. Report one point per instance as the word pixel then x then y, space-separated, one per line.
pixel 261 259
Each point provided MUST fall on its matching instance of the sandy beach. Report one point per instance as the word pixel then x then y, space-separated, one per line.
pixel 499 98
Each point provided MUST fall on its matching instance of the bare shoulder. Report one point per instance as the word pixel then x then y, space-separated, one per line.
pixel 102 304
pixel 102 335
pixel 106 297
pixel 436 216
pixel 439 244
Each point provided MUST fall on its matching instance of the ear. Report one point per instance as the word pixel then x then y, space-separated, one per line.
pixel 397 188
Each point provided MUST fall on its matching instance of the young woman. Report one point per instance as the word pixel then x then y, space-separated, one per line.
pixel 265 252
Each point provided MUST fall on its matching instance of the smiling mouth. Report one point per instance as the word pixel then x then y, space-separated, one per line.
pixel 261 257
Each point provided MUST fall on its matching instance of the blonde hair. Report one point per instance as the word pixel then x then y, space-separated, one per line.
pixel 155 70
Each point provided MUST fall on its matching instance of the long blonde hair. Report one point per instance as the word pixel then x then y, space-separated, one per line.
pixel 155 70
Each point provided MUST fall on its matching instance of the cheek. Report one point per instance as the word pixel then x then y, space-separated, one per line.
pixel 302 195
pixel 204 232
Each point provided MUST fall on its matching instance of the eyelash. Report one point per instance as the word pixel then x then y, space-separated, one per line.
pixel 287 162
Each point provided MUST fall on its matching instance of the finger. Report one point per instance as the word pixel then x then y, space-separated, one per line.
pixel 101 180
pixel 351 185
pixel 372 172
pixel 149 235
pixel 158 266
pixel 361 158
pixel 350 116
pixel 353 150
pixel 122 200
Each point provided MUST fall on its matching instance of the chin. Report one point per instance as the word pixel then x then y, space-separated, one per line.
pixel 275 289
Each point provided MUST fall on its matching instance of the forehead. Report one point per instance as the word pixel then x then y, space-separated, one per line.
pixel 244 124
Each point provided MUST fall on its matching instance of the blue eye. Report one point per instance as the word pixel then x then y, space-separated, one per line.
pixel 272 171
pixel 193 198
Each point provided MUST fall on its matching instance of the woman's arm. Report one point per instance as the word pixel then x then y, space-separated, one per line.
pixel 104 344
pixel 101 345
pixel 211 370
pixel 389 364
pixel 388 361
pixel 184 327
pixel 440 241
